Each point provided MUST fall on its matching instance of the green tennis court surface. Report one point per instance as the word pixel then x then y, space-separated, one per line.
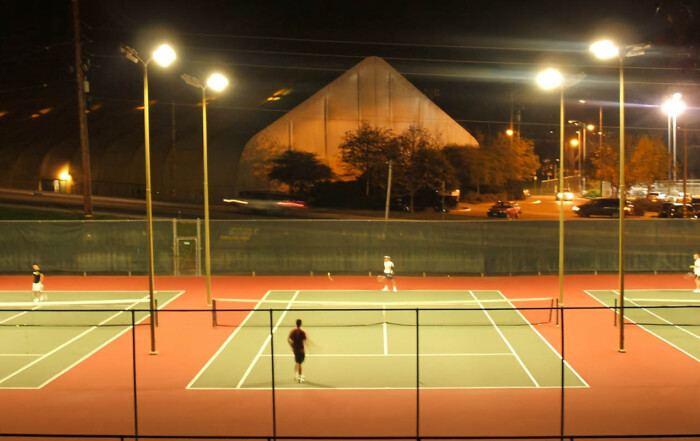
pixel 672 315
pixel 369 340
pixel 40 341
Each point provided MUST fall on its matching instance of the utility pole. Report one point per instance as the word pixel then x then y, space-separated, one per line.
pixel 82 116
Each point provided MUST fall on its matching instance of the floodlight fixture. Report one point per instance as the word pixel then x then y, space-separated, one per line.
pixel 217 82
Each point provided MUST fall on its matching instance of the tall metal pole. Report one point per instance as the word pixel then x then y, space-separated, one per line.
pixel 82 117
pixel 388 194
pixel 685 174
pixel 600 127
pixel 621 194
pixel 582 162
pixel 149 211
pixel 207 254
pixel 670 144
pixel 561 202
pixel 673 161
pixel 580 136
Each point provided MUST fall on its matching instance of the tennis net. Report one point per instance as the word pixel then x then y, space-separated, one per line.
pixel 661 312
pixel 500 312
pixel 80 313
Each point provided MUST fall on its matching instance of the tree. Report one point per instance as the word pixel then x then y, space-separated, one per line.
pixel 649 162
pixel 461 159
pixel 606 161
pixel 420 163
pixel 299 170
pixel 504 162
pixel 366 152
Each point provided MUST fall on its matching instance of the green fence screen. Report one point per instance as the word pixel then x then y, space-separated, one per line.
pixel 352 246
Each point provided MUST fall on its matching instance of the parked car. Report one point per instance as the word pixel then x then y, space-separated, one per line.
pixel 602 207
pixel 655 196
pixel 674 210
pixel 510 210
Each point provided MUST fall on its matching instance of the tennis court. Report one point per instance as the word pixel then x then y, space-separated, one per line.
pixel 673 315
pixel 41 341
pixel 361 339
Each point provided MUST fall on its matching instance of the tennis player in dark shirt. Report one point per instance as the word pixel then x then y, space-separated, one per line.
pixel 38 283
pixel 297 339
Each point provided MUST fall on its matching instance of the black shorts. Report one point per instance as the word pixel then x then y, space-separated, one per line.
pixel 299 357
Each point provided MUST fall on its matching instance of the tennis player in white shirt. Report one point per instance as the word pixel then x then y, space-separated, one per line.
pixel 388 273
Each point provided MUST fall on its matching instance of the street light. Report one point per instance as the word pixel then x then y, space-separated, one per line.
pixel 549 79
pixel 582 155
pixel 164 56
pixel 606 49
pixel 218 83
pixel 673 107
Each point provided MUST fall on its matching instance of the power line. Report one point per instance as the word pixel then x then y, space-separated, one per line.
pixel 408 73
pixel 354 42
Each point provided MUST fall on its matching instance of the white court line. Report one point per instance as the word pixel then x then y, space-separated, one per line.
pixel 228 340
pixel 267 340
pixel 19 314
pixel 58 348
pixel 413 355
pixel 505 340
pixel 308 387
pixel 642 326
pixel 543 339
pixel 126 329
pixel 664 320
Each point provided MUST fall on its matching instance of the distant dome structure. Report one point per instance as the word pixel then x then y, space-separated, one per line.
pixel 373 93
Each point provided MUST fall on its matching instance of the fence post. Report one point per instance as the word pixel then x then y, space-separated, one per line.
pixel 417 376
pixel 133 367
pixel 563 373
pixel 272 365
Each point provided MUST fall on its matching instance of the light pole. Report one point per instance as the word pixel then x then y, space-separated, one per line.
pixel 164 56
pixel 606 49
pixel 673 107
pixel 576 144
pixel 217 82
pixel 550 79
pixel 582 156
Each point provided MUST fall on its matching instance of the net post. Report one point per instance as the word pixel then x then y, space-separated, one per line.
pixel 551 308
pixel 615 312
pixel 213 313
pixel 155 312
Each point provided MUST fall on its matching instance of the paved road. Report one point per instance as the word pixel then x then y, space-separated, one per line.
pixel 535 207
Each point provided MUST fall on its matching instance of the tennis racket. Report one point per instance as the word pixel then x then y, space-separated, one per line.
pixel 381 278
pixel 689 276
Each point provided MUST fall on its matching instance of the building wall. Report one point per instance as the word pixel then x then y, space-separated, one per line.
pixel 371 92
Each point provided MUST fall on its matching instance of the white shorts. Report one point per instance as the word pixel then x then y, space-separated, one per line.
pixel 37 287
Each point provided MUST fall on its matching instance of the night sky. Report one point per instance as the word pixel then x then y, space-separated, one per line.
pixel 473 58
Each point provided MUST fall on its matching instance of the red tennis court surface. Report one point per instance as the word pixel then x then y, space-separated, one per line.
pixel 651 389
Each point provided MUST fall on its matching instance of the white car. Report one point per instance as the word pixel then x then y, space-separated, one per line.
pixel 565 196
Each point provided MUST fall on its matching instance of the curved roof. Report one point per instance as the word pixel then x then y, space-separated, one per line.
pixel 372 92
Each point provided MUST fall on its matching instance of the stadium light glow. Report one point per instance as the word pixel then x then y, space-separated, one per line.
pixel 217 82
pixel 164 55
pixel 549 79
